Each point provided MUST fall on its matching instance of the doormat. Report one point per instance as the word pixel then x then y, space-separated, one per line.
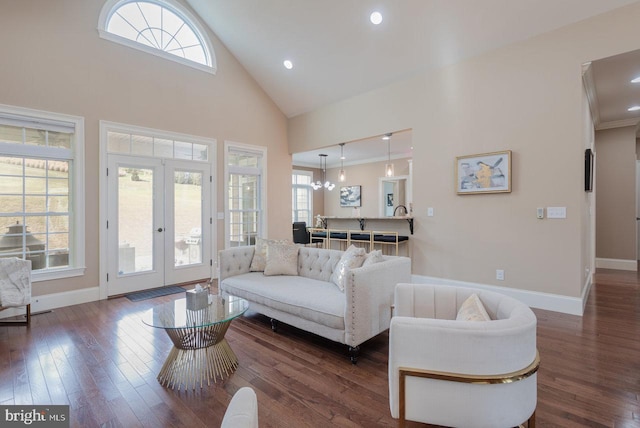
pixel 156 292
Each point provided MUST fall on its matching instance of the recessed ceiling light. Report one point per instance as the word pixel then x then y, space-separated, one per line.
pixel 288 64
pixel 375 17
pixel 634 108
pixel 636 80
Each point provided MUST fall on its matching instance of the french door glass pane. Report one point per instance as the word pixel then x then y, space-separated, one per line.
pixel 135 220
pixel 188 217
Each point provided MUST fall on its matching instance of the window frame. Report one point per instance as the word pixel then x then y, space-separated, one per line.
pixel 111 6
pixel 261 172
pixel 76 208
pixel 294 187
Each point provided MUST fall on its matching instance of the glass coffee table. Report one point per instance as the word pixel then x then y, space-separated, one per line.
pixel 200 352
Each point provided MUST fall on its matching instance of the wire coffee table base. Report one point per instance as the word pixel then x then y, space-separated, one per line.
pixel 199 355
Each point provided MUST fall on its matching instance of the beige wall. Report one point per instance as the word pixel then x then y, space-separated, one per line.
pixel 525 97
pixel 365 175
pixel 53 59
pixel 616 187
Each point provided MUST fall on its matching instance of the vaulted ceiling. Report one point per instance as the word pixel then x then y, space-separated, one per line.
pixel 338 53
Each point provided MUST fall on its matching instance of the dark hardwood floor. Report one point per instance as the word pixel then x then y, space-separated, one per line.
pixel 101 360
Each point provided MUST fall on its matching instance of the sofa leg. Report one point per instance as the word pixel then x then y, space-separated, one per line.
pixel 274 325
pixel 354 352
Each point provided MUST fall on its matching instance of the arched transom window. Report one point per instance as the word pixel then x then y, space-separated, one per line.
pixel 161 27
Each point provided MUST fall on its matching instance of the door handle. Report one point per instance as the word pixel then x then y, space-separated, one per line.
pixel 160 229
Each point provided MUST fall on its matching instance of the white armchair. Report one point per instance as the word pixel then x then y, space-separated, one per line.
pixel 15 287
pixel 242 411
pixel 461 373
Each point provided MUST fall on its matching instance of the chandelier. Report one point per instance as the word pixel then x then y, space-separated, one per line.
pixel 324 183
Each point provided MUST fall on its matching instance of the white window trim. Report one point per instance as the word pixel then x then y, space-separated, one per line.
pixel 77 225
pixel 308 174
pixel 111 5
pixel 262 151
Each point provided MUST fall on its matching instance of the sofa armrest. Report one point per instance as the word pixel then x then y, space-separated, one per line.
pixel 234 261
pixel 462 347
pixel 369 293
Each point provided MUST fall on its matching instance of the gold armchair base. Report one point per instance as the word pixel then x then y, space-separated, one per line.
pixel 464 378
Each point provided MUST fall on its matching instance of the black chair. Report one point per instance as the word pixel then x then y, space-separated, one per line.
pixel 300 233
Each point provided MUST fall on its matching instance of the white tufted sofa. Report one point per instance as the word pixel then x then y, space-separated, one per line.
pixel 310 301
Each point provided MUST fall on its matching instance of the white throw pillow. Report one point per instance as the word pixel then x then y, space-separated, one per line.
pixel 352 258
pixel 473 310
pixel 374 256
pixel 282 259
pixel 259 260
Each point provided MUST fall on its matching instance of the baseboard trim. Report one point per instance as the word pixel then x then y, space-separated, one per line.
pixel 48 302
pixel 619 264
pixel 534 299
pixel 586 289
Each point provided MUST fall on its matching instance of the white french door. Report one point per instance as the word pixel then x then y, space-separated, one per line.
pixel 159 218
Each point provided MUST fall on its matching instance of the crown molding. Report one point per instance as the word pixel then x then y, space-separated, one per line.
pixel 618 124
pixel 590 90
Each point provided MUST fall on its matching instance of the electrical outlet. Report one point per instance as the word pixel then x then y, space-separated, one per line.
pixel 500 274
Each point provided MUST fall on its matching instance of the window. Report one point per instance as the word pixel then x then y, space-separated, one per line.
pixel 159 27
pixel 41 191
pixel 302 196
pixel 245 183
pixel 127 140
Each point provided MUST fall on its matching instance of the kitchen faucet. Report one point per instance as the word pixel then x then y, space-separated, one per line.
pixel 403 208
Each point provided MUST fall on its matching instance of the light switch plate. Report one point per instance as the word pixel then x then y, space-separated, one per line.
pixel 429 212
pixel 556 212
pixel 540 213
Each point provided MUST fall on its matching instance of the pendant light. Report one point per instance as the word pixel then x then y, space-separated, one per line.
pixel 324 183
pixel 388 168
pixel 342 175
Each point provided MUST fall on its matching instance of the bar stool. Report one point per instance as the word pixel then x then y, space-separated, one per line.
pixel 318 236
pixel 361 238
pixel 390 238
pixel 338 235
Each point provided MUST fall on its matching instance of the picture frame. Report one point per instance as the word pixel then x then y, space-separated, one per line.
pixel 350 196
pixel 389 199
pixel 484 173
pixel 588 170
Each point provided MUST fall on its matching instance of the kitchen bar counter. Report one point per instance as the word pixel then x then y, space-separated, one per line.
pixel 362 220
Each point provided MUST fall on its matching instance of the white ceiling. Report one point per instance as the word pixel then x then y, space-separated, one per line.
pixel 614 93
pixel 373 149
pixel 337 52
